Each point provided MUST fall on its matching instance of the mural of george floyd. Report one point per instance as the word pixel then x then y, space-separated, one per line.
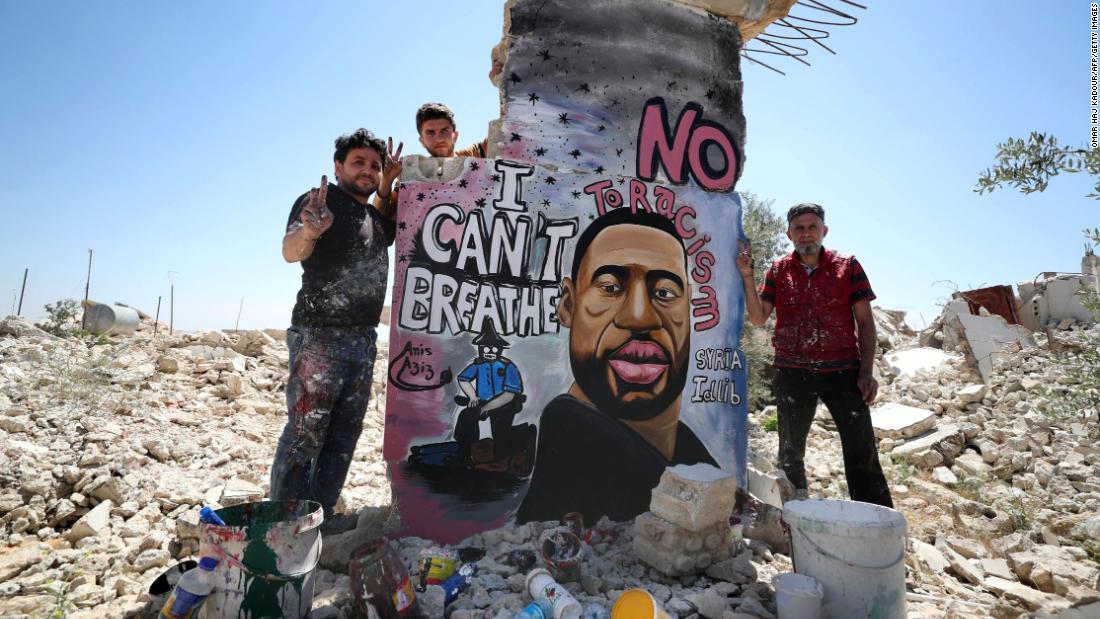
pixel 566 313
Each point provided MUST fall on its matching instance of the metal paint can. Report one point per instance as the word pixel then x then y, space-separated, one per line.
pixel 436 565
pixel 267 553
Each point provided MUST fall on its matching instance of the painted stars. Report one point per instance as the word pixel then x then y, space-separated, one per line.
pixel 618 152
pixel 574 153
pixel 545 55
pixel 601 128
pixel 550 180
pixel 515 138
pixel 545 204
pixel 480 202
pixel 585 88
pixel 540 151
pixel 532 97
pixel 564 119
pixel 599 169
pixel 462 183
pixel 575 194
pixel 474 167
pixel 495 178
pixel 401 225
pixel 514 78
pixel 710 94
pixel 671 85
pixel 420 197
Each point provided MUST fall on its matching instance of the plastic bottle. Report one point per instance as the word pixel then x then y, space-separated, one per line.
pixel 544 589
pixel 209 516
pixel 191 591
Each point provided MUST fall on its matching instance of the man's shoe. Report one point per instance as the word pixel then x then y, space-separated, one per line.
pixel 339 523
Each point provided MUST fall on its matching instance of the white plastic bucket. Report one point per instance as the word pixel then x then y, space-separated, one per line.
pixel 856 551
pixel 797 596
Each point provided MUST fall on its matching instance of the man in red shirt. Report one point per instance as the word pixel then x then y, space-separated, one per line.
pixel 824 348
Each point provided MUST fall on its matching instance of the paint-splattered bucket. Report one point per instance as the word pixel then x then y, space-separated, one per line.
pixel 268 552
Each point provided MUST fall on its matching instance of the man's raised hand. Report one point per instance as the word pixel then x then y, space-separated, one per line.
pixel 745 261
pixel 392 169
pixel 316 218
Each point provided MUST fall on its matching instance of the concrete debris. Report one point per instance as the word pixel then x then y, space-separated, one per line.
pixel 894 420
pixel 106 458
pixel 1001 493
pixel 687 527
pixel 1053 299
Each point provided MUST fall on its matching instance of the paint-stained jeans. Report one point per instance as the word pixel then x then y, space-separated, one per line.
pixel 326 395
pixel 796 393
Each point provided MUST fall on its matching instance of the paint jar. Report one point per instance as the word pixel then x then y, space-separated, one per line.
pixel 436 565
pixel 381 580
pixel 637 604
pixel 562 551
pixel 574 521
pixel 545 590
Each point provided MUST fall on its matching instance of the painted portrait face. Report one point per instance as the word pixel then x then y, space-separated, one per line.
pixel 628 314
pixel 360 172
pixel 438 136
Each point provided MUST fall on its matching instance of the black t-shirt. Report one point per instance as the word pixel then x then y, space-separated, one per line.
pixel 344 279
pixel 593 463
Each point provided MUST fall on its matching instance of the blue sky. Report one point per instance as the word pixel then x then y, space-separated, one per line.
pixel 172 138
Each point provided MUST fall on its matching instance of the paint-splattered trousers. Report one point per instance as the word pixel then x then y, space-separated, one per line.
pixel 797 392
pixel 327 395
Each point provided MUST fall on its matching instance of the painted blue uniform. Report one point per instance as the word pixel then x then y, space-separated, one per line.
pixel 493 378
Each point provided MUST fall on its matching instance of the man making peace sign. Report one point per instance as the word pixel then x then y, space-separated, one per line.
pixel 340 239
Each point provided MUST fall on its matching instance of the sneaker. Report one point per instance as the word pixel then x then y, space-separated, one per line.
pixel 339 523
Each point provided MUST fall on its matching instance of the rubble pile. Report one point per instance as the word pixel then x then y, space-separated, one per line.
pixel 999 481
pixel 108 448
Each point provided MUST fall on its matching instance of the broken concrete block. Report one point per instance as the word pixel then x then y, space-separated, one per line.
pixel 893 420
pixel 931 557
pixel 93 523
pixel 943 475
pixel 674 551
pixel 998 568
pixel 959 564
pixel 909 362
pixel 947 440
pixel 772 488
pixel 972 393
pixel 239 491
pixel 972 464
pixel 986 336
pixel 694 497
